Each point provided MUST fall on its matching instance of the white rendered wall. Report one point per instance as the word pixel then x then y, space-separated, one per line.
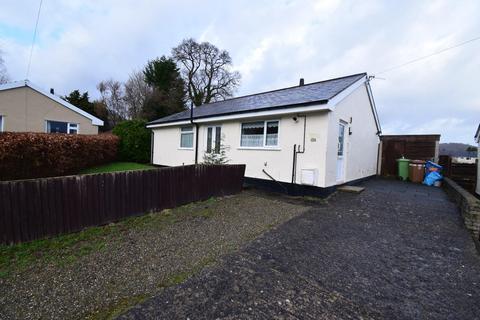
pixel 277 162
pixel 166 148
pixel 361 147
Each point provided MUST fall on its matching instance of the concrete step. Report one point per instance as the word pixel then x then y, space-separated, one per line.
pixel 352 189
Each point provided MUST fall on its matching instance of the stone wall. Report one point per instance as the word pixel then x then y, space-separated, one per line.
pixel 469 206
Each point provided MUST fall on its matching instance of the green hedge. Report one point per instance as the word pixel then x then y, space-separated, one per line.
pixel 26 155
pixel 134 141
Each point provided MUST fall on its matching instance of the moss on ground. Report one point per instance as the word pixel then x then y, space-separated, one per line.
pixel 124 305
pixel 66 249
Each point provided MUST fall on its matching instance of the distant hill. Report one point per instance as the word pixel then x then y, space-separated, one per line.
pixel 457 150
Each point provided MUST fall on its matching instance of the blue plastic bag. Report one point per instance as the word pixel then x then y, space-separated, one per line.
pixel 432 166
pixel 431 177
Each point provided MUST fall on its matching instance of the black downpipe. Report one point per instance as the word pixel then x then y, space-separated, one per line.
pixel 196 132
pixel 294 165
pixel 297 151
pixel 151 146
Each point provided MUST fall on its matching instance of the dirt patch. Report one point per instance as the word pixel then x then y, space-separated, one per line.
pixel 101 272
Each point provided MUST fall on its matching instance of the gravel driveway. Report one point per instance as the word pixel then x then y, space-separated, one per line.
pixel 396 251
pixel 140 258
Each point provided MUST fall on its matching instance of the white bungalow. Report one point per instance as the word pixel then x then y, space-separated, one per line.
pixel 310 137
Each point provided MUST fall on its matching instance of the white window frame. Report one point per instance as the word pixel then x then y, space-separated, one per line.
pixel 264 147
pixel 2 117
pixel 74 126
pixel 214 135
pixel 70 125
pixel 186 132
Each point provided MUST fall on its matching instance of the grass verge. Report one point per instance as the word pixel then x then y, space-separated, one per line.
pixel 68 248
pixel 117 166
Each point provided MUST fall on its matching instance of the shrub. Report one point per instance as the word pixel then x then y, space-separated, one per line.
pixel 33 155
pixel 134 141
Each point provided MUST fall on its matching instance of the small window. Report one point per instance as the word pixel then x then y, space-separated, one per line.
pixel 1 123
pixel 341 139
pixel 72 128
pixel 259 134
pixel 186 137
pixel 62 127
pixel 214 139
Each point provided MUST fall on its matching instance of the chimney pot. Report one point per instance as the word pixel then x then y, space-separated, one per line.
pixel 52 91
pixel 302 82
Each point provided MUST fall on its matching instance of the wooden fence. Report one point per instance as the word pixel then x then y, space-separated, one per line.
pixel 39 208
pixel 464 174
pixel 414 147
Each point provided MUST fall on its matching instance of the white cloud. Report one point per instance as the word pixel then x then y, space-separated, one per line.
pixel 81 42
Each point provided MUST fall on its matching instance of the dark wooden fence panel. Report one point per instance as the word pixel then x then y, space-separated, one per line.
pixel 34 209
pixel 464 174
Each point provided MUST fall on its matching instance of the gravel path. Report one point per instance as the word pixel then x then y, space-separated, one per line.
pixel 396 251
pixel 142 259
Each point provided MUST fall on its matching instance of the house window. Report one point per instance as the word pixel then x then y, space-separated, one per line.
pixel 259 134
pixel 72 128
pixel 186 137
pixel 1 123
pixel 214 139
pixel 62 127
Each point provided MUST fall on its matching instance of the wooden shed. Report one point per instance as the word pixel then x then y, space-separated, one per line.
pixel 414 147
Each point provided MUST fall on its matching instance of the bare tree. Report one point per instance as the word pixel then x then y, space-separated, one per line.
pixel 206 71
pixel 137 93
pixel 113 98
pixel 3 70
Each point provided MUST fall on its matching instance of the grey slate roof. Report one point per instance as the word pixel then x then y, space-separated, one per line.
pixel 317 92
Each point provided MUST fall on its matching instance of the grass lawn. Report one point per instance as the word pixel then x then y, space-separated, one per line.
pixel 117 166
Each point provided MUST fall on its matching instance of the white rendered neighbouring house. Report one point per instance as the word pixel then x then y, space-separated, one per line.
pixel 321 134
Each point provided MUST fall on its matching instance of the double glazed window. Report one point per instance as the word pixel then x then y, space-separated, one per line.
pixel 259 134
pixel 62 127
pixel 214 139
pixel 186 137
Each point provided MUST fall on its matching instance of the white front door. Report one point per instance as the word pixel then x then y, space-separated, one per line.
pixel 341 152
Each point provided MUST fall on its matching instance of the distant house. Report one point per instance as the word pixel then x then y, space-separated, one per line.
pixel 320 134
pixel 24 107
pixel 477 140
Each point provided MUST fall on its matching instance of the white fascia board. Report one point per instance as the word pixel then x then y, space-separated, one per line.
pixel 374 107
pixel 26 83
pixel 345 93
pixel 266 113
pixel 13 85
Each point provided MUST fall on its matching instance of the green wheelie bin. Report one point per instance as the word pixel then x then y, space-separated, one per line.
pixel 403 168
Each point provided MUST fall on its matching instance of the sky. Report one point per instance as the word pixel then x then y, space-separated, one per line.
pixel 272 44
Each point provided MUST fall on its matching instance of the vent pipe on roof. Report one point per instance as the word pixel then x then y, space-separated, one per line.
pixel 302 82
pixel 52 91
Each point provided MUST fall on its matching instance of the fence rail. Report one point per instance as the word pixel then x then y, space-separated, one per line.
pixel 464 174
pixel 39 208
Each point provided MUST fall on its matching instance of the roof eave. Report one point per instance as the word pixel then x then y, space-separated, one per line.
pixel 280 110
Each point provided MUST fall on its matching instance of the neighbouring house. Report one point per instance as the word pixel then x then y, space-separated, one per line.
pixel 24 107
pixel 321 134
pixel 477 140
